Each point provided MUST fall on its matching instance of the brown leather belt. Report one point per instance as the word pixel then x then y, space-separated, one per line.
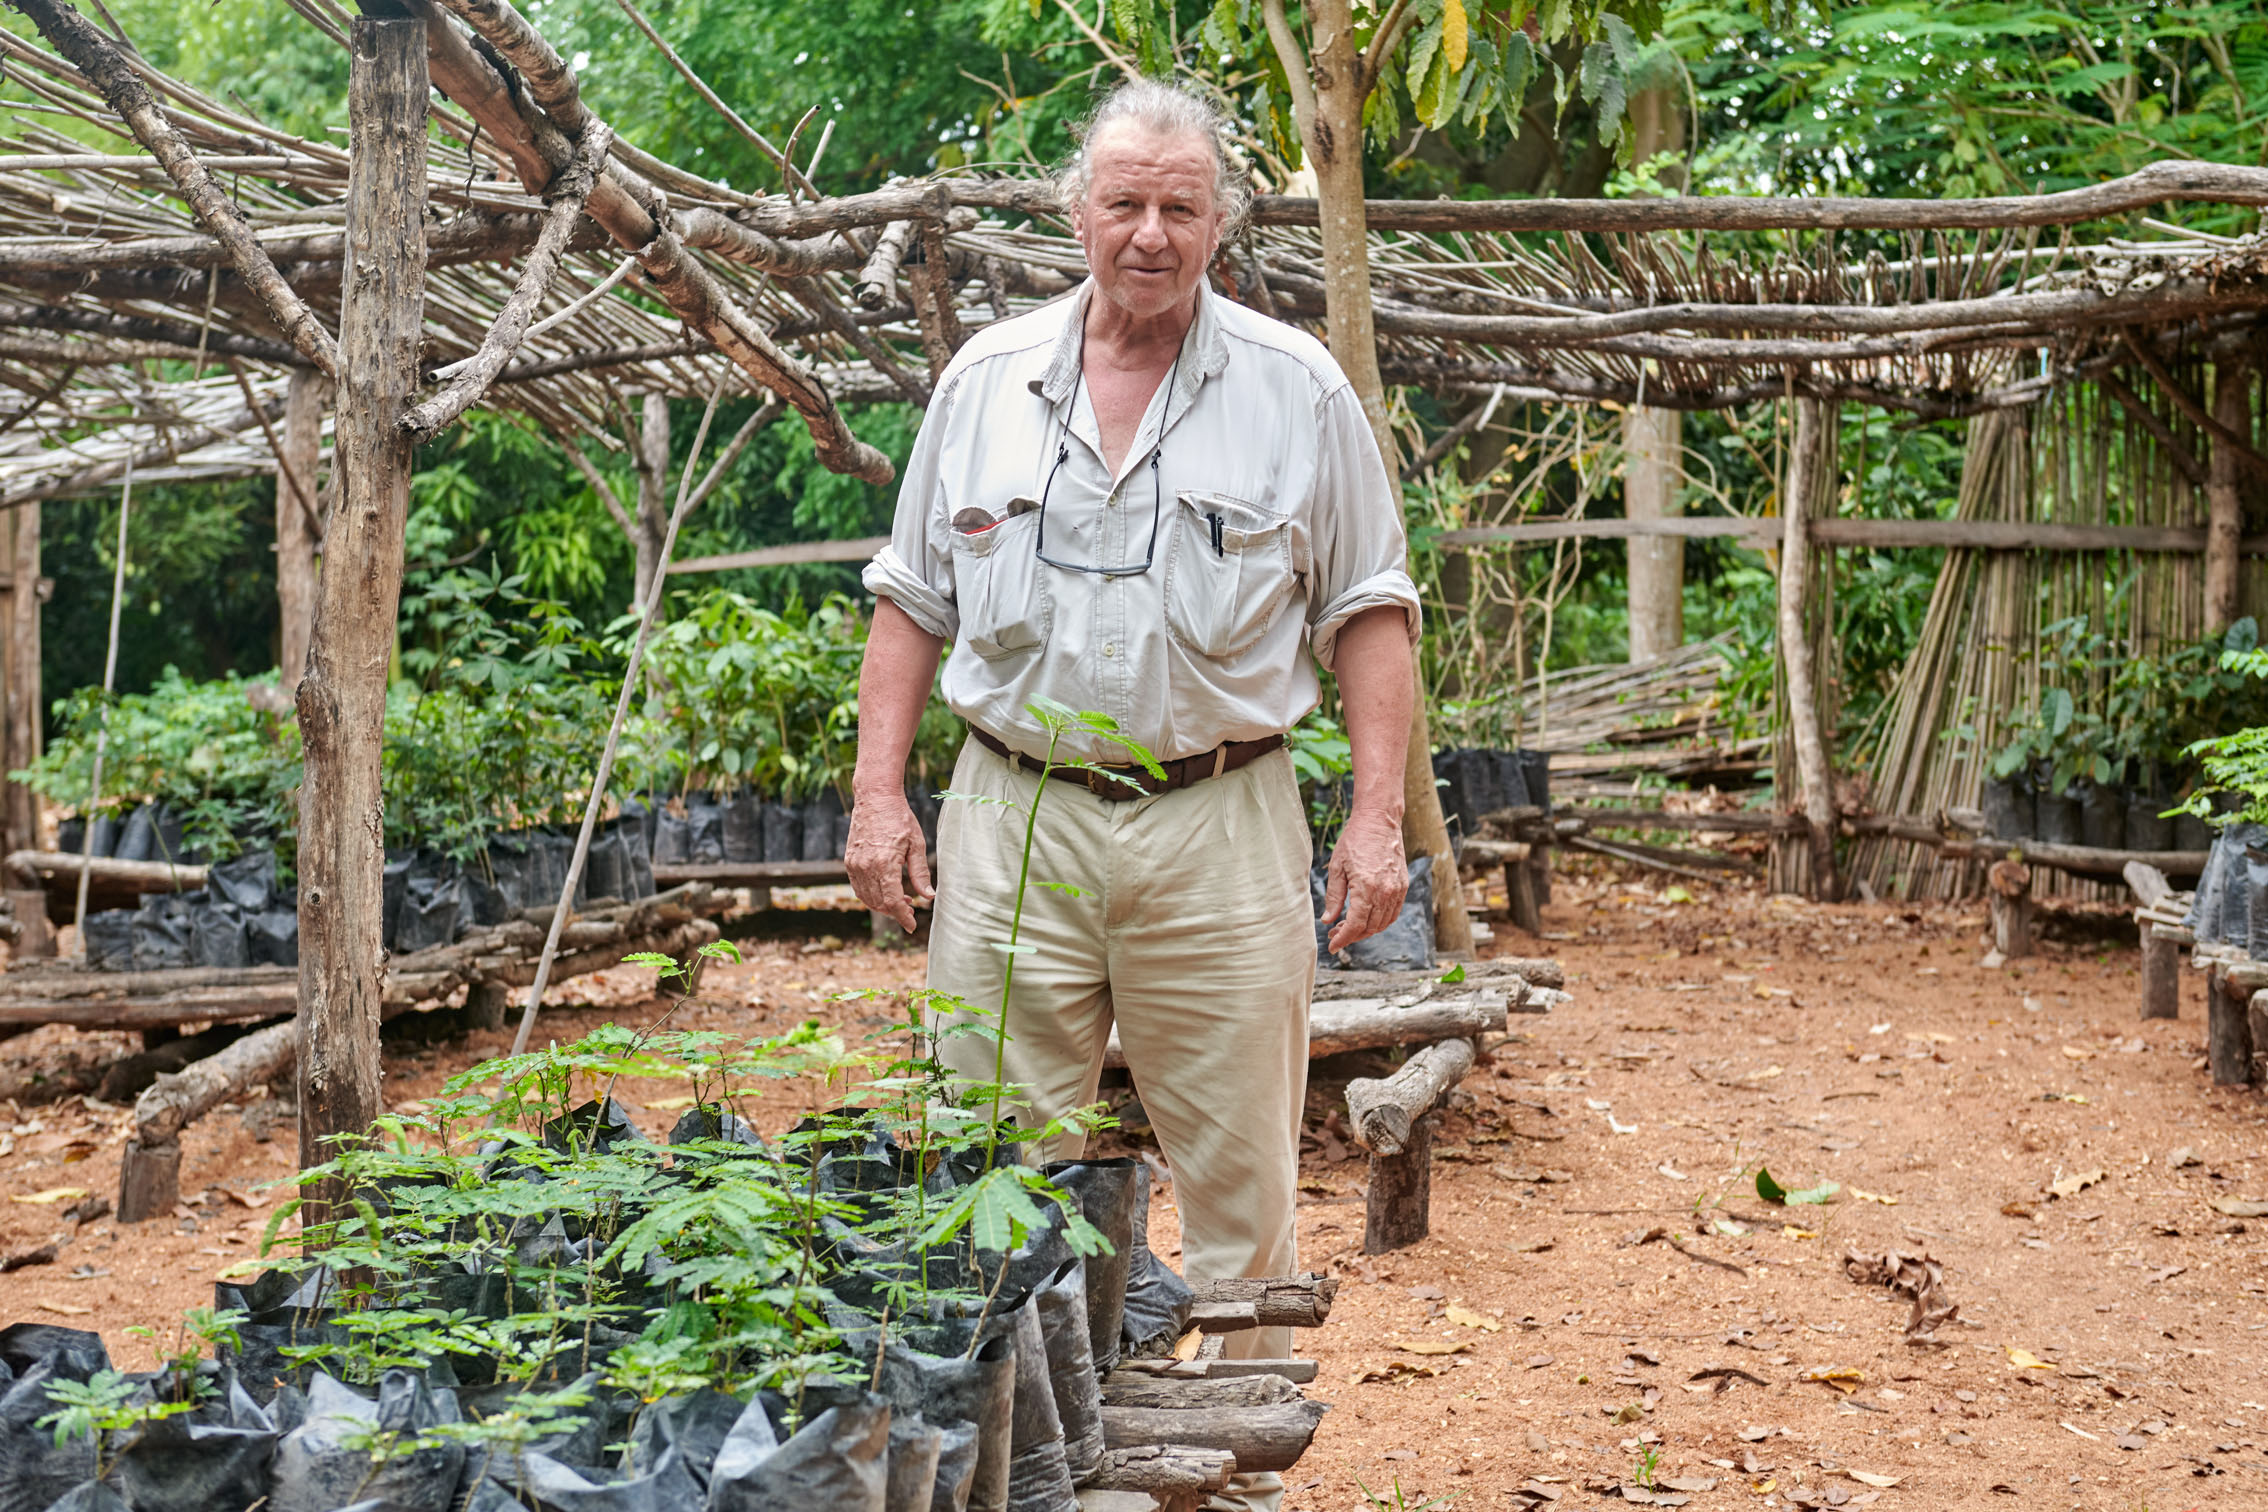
pixel 1186 771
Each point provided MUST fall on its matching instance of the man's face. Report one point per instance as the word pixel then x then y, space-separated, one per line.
pixel 1149 221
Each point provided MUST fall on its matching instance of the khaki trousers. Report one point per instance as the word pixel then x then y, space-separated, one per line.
pixel 1195 935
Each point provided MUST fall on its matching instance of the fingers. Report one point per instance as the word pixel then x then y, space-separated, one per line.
pixel 1373 901
pixel 1334 893
pixel 917 865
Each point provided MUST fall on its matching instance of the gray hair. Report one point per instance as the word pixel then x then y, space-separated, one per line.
pixel 1165 110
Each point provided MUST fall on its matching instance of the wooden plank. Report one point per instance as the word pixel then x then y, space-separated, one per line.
pixel 142 876
pixel 750 873
pixel 1298 1372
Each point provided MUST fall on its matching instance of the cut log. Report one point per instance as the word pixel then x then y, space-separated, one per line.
pixel 2009 896
pixel 1135 1388
pixel 149 1181
pixel 1381 1113
pixel 1536 971
pixel 2161 972
pixel 1398 1211
pixel 1299 1372
pixel 2228 1029
pixel 1520 896
pixel 1365 1024
pixel 1164 1471
pixel 1301 1301
pixel 2149 884
pixel 179 1098
pixel 1271 1437
pixel 138 876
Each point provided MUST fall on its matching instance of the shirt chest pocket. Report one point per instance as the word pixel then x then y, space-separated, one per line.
pixel 1002 593
pixel 1228 572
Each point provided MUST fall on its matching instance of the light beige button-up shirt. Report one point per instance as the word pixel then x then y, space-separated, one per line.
pixel 1274 524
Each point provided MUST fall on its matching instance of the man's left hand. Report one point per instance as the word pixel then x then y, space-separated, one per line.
pixel 1367 880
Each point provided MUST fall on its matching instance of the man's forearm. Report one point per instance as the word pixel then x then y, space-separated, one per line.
pixel 894 681
pixel 1377 686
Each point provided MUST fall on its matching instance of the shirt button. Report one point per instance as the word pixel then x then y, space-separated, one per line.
pixel 1110 648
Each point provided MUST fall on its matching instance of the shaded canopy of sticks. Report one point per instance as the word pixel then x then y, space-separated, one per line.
pixel 1935 308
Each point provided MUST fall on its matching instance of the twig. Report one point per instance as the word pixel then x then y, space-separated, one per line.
pixel 605 772
pixel 788 174
pixel 109 681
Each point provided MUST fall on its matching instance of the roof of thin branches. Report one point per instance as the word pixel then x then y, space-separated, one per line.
pixel 113 285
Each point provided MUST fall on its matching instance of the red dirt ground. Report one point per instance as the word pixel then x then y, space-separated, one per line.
pixel 2107 1353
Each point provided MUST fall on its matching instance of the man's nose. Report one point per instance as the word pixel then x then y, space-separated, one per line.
pixel 1150 231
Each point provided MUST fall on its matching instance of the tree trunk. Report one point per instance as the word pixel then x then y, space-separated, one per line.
pixel 1650 451
pixel 1332 133
pixel 19 815
pixel 2224 498
pixel 342 699
pixel 299 514
pixel 1817 777
pixel 653 491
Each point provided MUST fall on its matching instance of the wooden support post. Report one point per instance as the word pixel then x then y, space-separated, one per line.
pixel 488 1004
pixel 1650 455
pixel 2228 1030
pixel 2224 498
pixel 19 813
pixel 1398 1212
pixel 1520 895
pixel 299 521
pixel 149 1172
pixel 149 1180
pixel 2161 973
pixel 342 699
pixel 1539 873
pixel 2009 895
pixel 1380 1113
pixel 1812 766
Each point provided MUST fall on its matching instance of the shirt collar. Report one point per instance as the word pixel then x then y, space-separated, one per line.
pixel 1206 356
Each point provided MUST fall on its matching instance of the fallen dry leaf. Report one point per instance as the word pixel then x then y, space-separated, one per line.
pixel 2024 1359
pixel 2075 1183
pixel 1790 1231
pixel 67 1309
pixel 52 1195
pixel 1843 1378
pixel 671 1104
pixel 2016 1210
pixel 2078 1052
pixel 1884 1199
pixel 1919 1277
pixel 2235 1207
pixel 1465 1317
pixel 1185 1348
pixel 1869 1478
pixel 1394 1370
pixel 2083 1433
pixel 1431 1346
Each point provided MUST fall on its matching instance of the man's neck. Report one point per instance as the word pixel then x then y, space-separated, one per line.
pixel 1131 342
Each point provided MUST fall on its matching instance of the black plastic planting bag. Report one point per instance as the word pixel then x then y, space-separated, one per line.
pixel 553 1486
pixel 317 1470
pixel 273 935
pixel 514 867
pixel 393 887
pixel 704 818
pixel 2007 808
pixel 743 827
pixel 977 1389
pixel 820 841
pixel 696 1425
pixel 1104 1191
pixel 34 1470
pixel 248 880
pixel 1157 1299
pixel 2147 827
pixel 215 1457
pixel 436 906
pixel 2204 916
pixel 109 937
pixel 2056 815
pixel 606 869
pixel 138 841
pixel 2256 897
pixel 1511 779
pixel 1039 1479
pixel 839 1460
pixel 914 1447
pixel 783 832
pixel 2236 894
pixel 2102 815
pixel 1062 1307
pixel 956 1467
pixel 74 1354
pixel 105 834
pixel 162 937
pixel 1404 945
pixel 673 838
pixel 2191 833
pixel 637 860
pixel 217 936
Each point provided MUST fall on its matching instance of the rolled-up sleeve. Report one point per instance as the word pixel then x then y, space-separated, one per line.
pixel 1361 557
pixel 915 571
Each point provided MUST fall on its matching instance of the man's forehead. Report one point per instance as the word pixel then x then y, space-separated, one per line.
pixel 1129 150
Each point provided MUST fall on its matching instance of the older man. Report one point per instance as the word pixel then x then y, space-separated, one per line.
pixel 1147 501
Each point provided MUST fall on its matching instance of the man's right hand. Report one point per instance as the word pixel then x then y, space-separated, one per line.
pixel 884 851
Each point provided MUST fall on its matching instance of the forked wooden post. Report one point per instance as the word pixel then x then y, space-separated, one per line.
pixel 342 699
pixel 1795 650
pixel 2009 896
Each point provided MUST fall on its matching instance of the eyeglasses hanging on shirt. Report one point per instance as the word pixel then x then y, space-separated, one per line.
pixel 1157 487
